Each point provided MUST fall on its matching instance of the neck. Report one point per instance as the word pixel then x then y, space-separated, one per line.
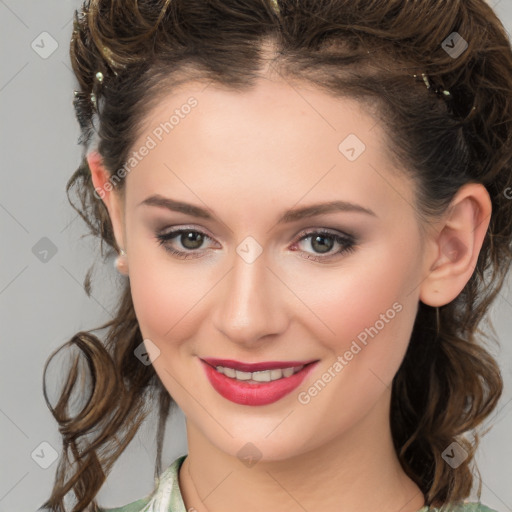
pixel 356 471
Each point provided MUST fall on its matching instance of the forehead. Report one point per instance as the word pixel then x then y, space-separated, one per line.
pixel 275 138
pixel 305 110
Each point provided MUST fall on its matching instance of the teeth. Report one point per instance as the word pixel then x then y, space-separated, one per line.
pixel 229 372
pixel 239 375
pixel 287 372
pixel 261 376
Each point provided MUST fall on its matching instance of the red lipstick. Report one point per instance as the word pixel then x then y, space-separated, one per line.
pixel 250 392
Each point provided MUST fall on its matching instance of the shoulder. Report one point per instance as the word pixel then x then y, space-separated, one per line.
pixel 165 496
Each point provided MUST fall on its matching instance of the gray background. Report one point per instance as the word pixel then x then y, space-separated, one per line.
pixel 42 303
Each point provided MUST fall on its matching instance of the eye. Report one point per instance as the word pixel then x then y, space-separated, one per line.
pixel 190 239
pixel 323 241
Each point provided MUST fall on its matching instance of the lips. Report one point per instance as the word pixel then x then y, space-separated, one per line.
pixel 251 392
pixel 254 367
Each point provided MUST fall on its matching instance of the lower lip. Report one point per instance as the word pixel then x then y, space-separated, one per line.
pixel 241 392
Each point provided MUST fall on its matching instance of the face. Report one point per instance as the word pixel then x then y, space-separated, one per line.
pixel 237 279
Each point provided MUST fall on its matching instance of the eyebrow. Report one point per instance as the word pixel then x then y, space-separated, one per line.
pixel 291 215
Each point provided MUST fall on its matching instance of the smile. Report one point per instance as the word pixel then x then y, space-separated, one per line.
pixel 257 387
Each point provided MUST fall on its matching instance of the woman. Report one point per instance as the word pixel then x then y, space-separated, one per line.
pixel 310 203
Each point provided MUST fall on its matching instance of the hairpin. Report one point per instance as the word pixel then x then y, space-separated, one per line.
pixel 107 54
pixel 439 90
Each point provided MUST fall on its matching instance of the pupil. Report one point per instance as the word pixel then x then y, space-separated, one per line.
pixel 322 247
pixel 187 239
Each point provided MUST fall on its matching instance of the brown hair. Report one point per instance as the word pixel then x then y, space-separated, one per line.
pixel 448 383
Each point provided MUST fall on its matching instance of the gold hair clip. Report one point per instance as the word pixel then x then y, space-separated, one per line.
pixel 99 78
pixel 107 54
pixel 441 90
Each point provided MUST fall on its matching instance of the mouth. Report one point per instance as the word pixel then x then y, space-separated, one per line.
pixel 255 383
pixel 267 371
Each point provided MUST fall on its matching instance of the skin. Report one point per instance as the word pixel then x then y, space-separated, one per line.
pixel 247 157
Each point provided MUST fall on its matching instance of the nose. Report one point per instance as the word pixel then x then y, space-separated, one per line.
pixel 250 303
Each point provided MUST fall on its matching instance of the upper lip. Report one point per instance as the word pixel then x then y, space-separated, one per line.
pixel 254 367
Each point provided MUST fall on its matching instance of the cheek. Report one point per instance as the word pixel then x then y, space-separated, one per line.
pixel 165 296
pixel 365 306
pixel 371 311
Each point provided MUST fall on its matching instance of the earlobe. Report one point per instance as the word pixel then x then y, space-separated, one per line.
pixel 104 190
pixel 457 245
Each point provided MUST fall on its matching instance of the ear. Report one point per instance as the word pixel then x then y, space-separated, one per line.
pixel 456 245
pixel 105 190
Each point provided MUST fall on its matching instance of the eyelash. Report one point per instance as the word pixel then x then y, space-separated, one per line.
pixel 347 241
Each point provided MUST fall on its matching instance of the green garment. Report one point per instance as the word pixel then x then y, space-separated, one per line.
pixel 167 497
